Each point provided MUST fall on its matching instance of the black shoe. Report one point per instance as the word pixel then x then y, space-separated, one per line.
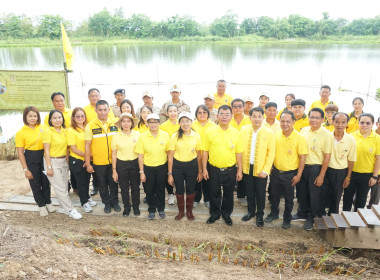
pixel 271 217
pixel 228 221
pixel 247 217
pixel 286 225
pixel 212 219
pixel 107 209
pixel 126 212
pixel 308 225
pixel 136 211
pixel 259 222
pixel 94 192
pixel 295 217
pixel 116 207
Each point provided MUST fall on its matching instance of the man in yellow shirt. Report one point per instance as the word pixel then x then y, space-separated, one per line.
pixel 289 163
pixel 270 121
pixel 58 100
pixel 325 93
pixel 90 109
pixel 98 139
pixel 221 97
pixel 311 187
pixel 298 109
pixel 221 153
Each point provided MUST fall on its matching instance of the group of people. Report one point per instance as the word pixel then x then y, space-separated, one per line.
pixel 317 156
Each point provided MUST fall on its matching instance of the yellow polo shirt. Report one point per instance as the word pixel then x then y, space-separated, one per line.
pixel 342 152
pixel 202 130
pixel 226 99
pixel 76 137
pixel 328 126
pixel 57 141
pixel 30 138
pixel 366 151
pixel 125 145
pixel 274 127
pixel 353 123
pixel 153 148
pixel 318 104
pixel 319 142
pixel 66 114
pixel 246 120
pixel 288 150
pixel 169 128
pixel 222 146
pixel 91 113
pixel 143 128
pixel 185 148
pixel 279 113
pixel 301 123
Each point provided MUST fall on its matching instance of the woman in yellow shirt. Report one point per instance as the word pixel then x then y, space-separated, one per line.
pixel 288 102
pixel 330 110
pixel 30 153
pixel 125 166
pixel 353 123
pixel 184 164
pixel 142 126
pixel 76 143
pixel 126 106
pixel 56 159
pixel 365 173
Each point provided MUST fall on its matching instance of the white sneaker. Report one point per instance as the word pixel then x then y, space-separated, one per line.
pixel 92 203
pixel 61 211
pixel 43 211
pixel 195 204
pixel 171 199
pixel 50 208
pixel 75 214
pixel 86 207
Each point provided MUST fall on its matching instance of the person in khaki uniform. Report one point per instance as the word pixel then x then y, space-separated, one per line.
pixel 147 98
pixel 209 101
pixel 175 92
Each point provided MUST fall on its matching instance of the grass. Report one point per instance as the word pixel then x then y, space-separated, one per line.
pixel 8 150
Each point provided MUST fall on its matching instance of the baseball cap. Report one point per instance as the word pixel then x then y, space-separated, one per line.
pixel 210 96
pixel 176 88
pixel 184 114
pixel 248 99
pixel 153 116
pixel 120 90
pixel 147 93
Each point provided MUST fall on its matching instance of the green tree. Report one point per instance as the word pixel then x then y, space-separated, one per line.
pixel 50 26
pixel 249 25
pixel 265 27
pixel 226 26
pixel 101 23
pixel 302 26
pixel 139 26
pixel 16 26
pixel 181 27
pixel 359 27
pixel 281 29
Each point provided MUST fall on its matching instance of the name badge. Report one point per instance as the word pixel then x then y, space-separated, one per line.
pixel 192 150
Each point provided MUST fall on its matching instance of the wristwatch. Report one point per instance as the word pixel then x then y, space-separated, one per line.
pixel 26 169
pixel 375 177
pixel 49 167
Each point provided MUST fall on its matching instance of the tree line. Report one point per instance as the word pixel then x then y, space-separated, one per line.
pixel 107 24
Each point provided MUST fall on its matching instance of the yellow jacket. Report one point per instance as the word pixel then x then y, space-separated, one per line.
pixel 264 150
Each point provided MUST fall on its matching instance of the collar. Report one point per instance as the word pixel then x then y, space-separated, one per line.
pixel 303 117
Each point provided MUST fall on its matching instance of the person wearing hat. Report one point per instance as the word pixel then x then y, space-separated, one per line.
pixel 119 96
pixel 248 105
pixel 209 102
pixel 152 148
pixel 175 92
pixel 263 100
pixel 90 110
pixel 288 102
pixel 184 164
pixel 298 109
pixel 330 110
pixel 221 97
pixel 147 98
pixel 125 166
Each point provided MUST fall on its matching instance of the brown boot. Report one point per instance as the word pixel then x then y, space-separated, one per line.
pixel 181 207
pixel 189 206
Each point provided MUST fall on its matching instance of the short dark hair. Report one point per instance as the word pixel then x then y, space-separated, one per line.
pixel 221 81
pixel 204 107
pixel 237 100
pixel 326 86
pixel 256 109
pixel 358 98
pixel 340 113
pixel 289 113
pixel 270 104
pixel 317 110
pixel 225 107
pixel 332 108
pixel 297 102
pixel 31 109
pixel 54 94
pixel 51 114
pixel 101 102
pixel 92 89
pixel 367 115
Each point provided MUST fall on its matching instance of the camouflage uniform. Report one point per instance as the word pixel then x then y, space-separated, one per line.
pixel 182 106
pixel 116 110
pixel 155 109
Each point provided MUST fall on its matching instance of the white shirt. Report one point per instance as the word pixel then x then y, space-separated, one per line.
pixel 253 148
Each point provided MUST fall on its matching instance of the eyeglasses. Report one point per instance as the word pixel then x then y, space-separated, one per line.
pixel 237 106
pixel 365 123
pixel 80 117
pixel 314 118
pixel 224 115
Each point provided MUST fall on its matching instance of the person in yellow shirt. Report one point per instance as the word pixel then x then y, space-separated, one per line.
pixel 365 173
pixel 56 159
pixel 330 110
pixel 263 100
pixel 353 123
pixel 58 100
pixel 30 153
pixel 288 102
pixel 221 152
pixel 142 126
pixel 298 109
pixel 152 148
pixel 312 185
pixel 375 189
pixel 201 125
pixel 259 146
pixel 221 97
pixel 248 105
pixel 342 160
pixel 90 109
pixel 325 93
pixel 184 165
pixel 98 138
pixel 125 166
pixel 75 141
pixel 289 163
pixel 119 95
pixel 270 121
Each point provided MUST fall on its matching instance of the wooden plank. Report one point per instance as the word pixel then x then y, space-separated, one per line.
pixel 361 238
pixel 328 222
pixel 369 218
pixel 339 221
pixel 320 224
pixel 353 219
pixel 376 210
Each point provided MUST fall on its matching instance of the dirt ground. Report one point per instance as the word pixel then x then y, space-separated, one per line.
pixel 115 247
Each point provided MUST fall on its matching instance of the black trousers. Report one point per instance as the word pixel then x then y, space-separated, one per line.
pixel 310 194
pixel 185 172
pixel 241 190
pixel 82 178
pixel 282 184
pixel 108 188
pixel 358 187
pixel 375 195
pixel 202 188
pixel 221 205
pixel 39 184
pixel 255 188
pixel 128 173
pixel 156 177
pixel 334 181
